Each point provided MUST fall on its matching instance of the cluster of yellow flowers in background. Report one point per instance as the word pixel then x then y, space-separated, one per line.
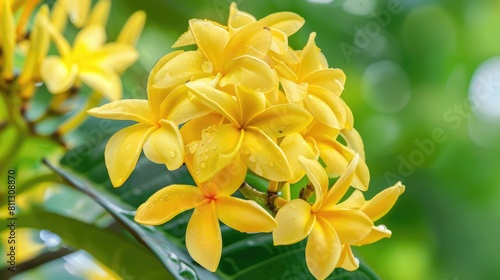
pixel 245 101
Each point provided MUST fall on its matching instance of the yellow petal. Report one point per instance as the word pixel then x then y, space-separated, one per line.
pixel 310 58
pixel 59 40
pixel 211 38
pixel 335 106
pixel 186 39
pixel 250 103
pixel 244 215
pixel 157 95
pixel 165 146
pixel 217 148
pixel 180 69
pixel 379 205
pixel 294 145
pixel 58 76
pixel 354 141
pixel 347 259
pixel 317 176
pixel 90 38
pixel 193 129
pixel 321 111
pixel 59 16
pixel 249 73
pixel 227 181
pixel 287 22
pixel 129 109
pixel 117 56
pixel 331 79
pixel 323 249
pixel 351 225
pixel 295 93
pixel 8 40
pixel 355 201
pixel 78 11
pixel 254 39
pixel 178 108
pixel 100 13
pixel 338 190
pixel 167 203
pixel 279 42
pixel 295 222
pixel 123 151
pixel 203 237
pixel 237 18
pixel 132 29
pixel 280 120
pixel 103 80
pixel 263 156
pixel 377 233
pixel 218 100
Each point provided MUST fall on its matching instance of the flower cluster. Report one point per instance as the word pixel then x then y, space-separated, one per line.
pixel 245 101
pixel 27 30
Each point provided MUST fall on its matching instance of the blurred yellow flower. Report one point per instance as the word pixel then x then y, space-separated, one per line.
pixel 212 201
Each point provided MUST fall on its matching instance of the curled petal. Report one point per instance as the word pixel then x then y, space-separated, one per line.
pixel 355 201
pixel 217 148
pixel 186 39
pixel 165 146
pixel 335 104
pixel 263 156
pixel 250 103
pixel 294 145
pixel 321 111
pixel 103 80
pixel 249 73
pixel 295 93
pixel 323 249
pixel 179 108
pixel 338 190
pixel 58 76
pixel 253 39
pixel 180 69
pixel 331 79
pixel 192 130
pixel 280 120
pixel 203 237
pixel 318 177
pixel 128 109
pixel 351 225
pixel 376 233
pixel 211 38
pixel 287 22
pixel 123 151
pixel 347 260
pixel 237 18
pixel 354 141
pixel 167 203
pixel 379 205
pixel 295 222
pixel 244 215
pixel 311 58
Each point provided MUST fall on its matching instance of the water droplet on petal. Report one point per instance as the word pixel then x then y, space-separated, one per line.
pixel 252 158
pixel 173 154
pixel 206 150
pixel 246 152
pixel 203 165
pixel 356 260
pixel 382 227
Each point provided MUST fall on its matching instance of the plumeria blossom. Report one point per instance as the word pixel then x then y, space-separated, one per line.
pixel 327 224
pixel 90 60
pixel 212 201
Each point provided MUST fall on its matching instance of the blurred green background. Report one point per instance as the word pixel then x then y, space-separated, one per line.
pixel 423 82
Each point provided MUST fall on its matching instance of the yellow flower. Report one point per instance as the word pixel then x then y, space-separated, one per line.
pixel 238 58
pixel 7 40
pixel 90 60
pixel 212 202
pixel 310 82
pixel 244 127
pixel 327 224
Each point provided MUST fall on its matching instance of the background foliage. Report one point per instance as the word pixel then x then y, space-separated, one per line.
pixel 414 68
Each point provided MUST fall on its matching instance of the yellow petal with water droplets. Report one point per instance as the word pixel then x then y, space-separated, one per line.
pixel 186 39
pixel 123 151
pixel 263 156
pixel 323 249
pixel 78 11
pixel 377 233
pixel 318 177
pixel 347 259
pixel 192 130
pixel 128 109
pixel 253 39
pixel 379 205
pixel 217 148
pixel 203 237
pixel 249 73
pixel 167 203
pixel 103 80
pixel 218 100
pixel 132 29
pixel 287 22
pixel 180 69
pixel 351 225
pixel 281 120
pixel 295 222
pixel 230 211
pixel 165 146
pixel 294 145
pixel 227 181
pixel 100 13
pixel 338 190
pixel 58 76
pixel 211 38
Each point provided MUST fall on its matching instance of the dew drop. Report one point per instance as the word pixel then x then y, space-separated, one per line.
pixel 252 158
pixel 206 150
pixel 203 165
pixel 173 154
pixel 271 164
pixel 356 260
pixel 199 153
pixel 246 152
pixel 214 147
pixel 382 227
